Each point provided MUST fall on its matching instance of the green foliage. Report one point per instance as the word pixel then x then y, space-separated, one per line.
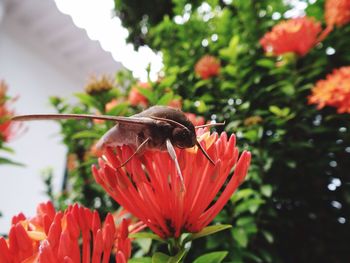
pixel 297 184
pixel 300 154
pixel 139 15
pixel 209 230
pixel 213 257
pixel 8 129
pixel 80 137
pixel 147 235
pixel 141 260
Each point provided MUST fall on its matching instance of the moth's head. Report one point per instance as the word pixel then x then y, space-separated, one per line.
pixel 183 137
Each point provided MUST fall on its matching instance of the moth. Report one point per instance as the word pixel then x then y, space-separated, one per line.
pixel 156 128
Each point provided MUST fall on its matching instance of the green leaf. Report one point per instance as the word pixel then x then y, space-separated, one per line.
pixel 166 98
pixel 289 90
pixel 168 81
pixel 252 256
pixel 145 244
pixel 230 53
pixel 250 205
pixel 265 63
pixel 201 83
pixel 146 235
pixel 233 125
pixel 275 110
pixel 7 149
pixel 118 109
pixel 250 228
pixel 209 230
pixel 86 135
pixel 266 190
pixel 267 257
pixel 202 107
pixel 55 101
pixel 149 94
pixel 242 194
pixel 179 256
pixel 231 70
pixel 245 220
pixel 227 85
pixel 160 257
pixel 253 135
pixel 213 257
pixel 140 260
pixel 88 100
pixel 8 161
pixel 269 237
pixel 240 236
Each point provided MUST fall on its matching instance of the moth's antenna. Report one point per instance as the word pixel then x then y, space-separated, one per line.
pixel 137 150
pixel 204 152
pixel 210 125
pixel 173 156
pixel 171 121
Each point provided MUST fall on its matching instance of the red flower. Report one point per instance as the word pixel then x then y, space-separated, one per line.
pixel 3 91
pixel 334 91
pixel 55 237
pixel 196 120
pixel 110 105
pixel 150 189
pixel 297 35
pixel 337 12
pixel 8 129
pixel 136 98
pixel 175 103
pixel 207 67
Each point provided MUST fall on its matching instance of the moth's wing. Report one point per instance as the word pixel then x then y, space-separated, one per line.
pixel 122 119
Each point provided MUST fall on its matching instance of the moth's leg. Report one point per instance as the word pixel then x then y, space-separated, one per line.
pixel 139 148
pixel 173 156
pixel 204 152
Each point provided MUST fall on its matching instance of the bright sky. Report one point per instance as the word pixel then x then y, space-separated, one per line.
pixel 97 18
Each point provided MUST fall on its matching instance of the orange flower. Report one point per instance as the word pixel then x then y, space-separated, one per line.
pixel 337 12
pixel 175 103
pixel 207 67
pixel 71 162
pixel 110 105
pixel 296 35
pixel 150 188
pixel 334 91
pixel 8 129
pixel 55 237
pixel 94 151
pixel 252 120
pixel 136 98
pixel 196 120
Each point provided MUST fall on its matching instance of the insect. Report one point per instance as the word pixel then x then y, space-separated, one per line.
pixel 156 128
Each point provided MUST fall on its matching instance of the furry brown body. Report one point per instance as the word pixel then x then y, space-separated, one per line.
pixel 153 124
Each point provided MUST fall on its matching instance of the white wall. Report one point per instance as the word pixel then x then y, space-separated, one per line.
pixel 34 79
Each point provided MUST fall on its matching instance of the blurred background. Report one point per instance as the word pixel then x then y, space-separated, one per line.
pixel 276 71
pixel 42 53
